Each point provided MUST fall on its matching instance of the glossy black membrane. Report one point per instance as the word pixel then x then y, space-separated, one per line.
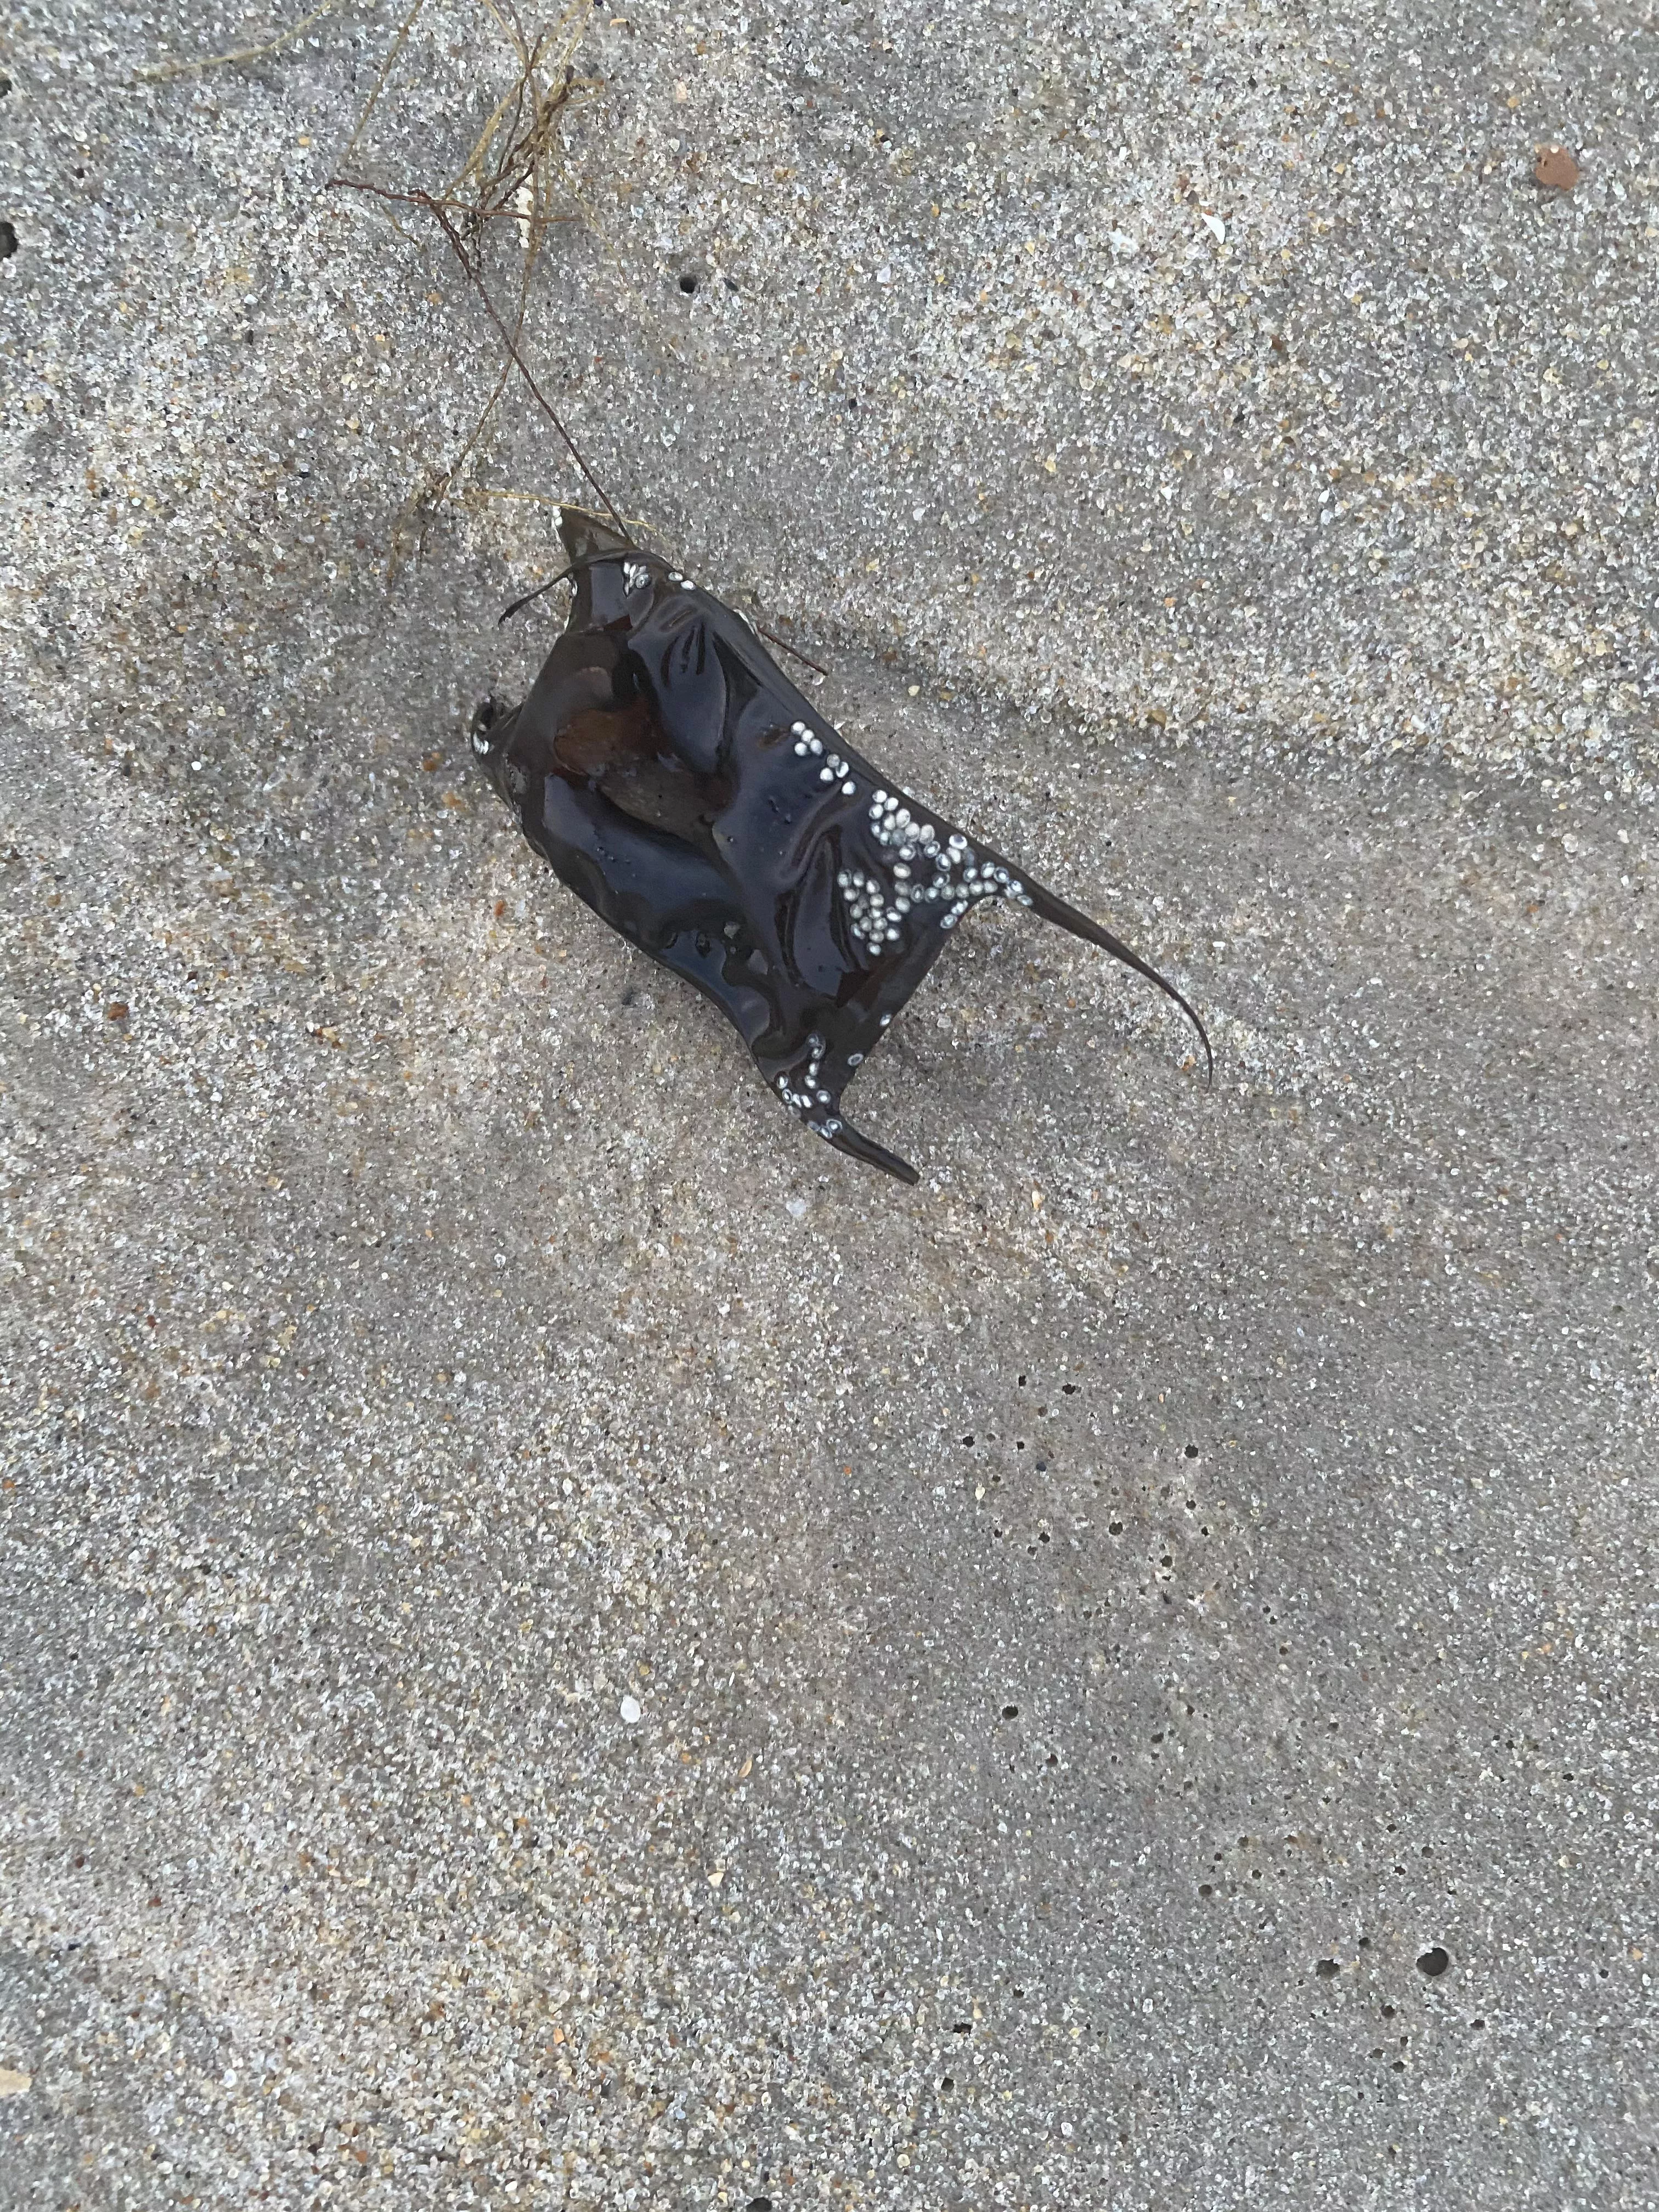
pixel 679 783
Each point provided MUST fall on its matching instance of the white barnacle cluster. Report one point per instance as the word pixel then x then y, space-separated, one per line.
pixel 636 575
pixel 959 876
pixel 907 836
pixel 871 916
pixel 810 746
pixel 981 880
pixel 801 1088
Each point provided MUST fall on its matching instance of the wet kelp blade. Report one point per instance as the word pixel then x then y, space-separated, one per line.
pixel 677 781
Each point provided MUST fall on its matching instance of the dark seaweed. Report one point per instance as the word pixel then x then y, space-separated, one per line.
pixel 678 783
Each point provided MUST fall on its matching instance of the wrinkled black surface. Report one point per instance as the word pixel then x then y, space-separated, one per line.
pixel 657 765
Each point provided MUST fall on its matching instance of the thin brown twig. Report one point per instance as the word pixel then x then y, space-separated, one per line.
pixel 474 276
pixel 505 176
pixel 793 651
pixel 381 74
pixel 160 72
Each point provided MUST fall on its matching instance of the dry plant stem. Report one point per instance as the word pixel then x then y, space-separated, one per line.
pixel 793 651
pixel 162 71
pixel 436 207
pixel 506 176
pixel 381 74
pixel 506 165
pixel 477 432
